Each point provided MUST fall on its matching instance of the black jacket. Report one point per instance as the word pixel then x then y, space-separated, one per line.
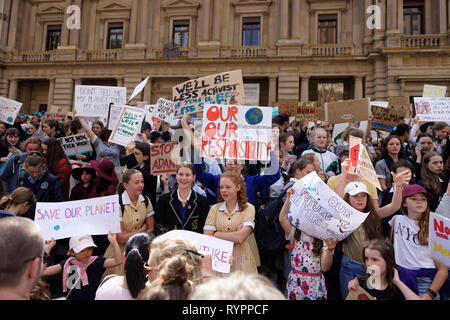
pixel 168 212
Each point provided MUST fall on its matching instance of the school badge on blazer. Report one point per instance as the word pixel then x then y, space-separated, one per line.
pixel 194 224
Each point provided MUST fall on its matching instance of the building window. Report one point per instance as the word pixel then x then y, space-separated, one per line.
pixel 180 33
pixel 115 35
pixel 251 28
pixel 413 17
pixel 327 28
pixel 53 37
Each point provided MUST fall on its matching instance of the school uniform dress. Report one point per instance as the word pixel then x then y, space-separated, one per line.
pixel 171 214
pixel 221 220
pixel 132 220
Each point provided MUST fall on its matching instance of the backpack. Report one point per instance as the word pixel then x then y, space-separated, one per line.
pixel 269 234
pixel 122 206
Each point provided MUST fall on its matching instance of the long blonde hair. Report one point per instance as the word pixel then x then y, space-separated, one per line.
pixel 238 181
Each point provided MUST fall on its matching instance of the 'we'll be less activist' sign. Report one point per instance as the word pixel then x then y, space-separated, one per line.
pixel 224 88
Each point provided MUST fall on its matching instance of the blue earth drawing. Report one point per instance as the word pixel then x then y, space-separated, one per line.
pixel 254 116
pixel 56 227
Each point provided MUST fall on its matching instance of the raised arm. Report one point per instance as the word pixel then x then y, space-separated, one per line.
pixel 88 129
pixel 285 224
pixel 399 182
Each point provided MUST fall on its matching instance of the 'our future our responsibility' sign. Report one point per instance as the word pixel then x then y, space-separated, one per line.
pixel 223 88
pixel 93 101
pixel 317 210
pixel 70 218
pixel 236 132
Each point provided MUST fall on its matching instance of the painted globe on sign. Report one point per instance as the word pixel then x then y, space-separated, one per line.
pixel 254 116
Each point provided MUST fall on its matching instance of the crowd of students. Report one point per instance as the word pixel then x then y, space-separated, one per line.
pixel 224 199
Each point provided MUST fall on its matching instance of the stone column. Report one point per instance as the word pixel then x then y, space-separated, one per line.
pixel 75 33
pixel 64 29
pixel 442 17
pixel 391 11
pixel 143 23
pixel 304 90
pixel 428 17
pixel 51 92
pixel 358 87
pixel 305 21
pixel 448 16
pixel 133 22
pixel 402 87
pixel 206 19
pixel 368 33
pixel 13 22
pixel 147 96
pixel 119 82
pixel 284 19
pixel 295 19
pixel 217 18
pixel 272 89
pixel 380 33
pixel 12 89
pixel 400 15
pixel 92 25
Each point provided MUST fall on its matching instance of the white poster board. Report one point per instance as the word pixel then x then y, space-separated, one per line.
pixel 94 101
pixel 236 132
pixel 317 210
pixel 164 110
pixel 94 216
pixel 138 88
pixel 76 144
pixel 433 109
pixel 438 238
pixel 9 110
pixel 128 126
pixel 114 115
pixel 221 250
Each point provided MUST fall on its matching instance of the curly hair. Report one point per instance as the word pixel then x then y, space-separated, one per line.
pixel 237 179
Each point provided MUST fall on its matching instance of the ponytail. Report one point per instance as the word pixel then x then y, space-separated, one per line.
pixel 134 270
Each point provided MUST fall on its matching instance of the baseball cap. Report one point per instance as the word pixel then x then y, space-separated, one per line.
pixel 413 189
pixel 79 243
pixel 353 188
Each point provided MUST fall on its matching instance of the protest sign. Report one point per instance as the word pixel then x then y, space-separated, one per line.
pixel 55 115
pixel 306 111
pixel 94 216
pixel 286 107
pixel 76 144
pixel 128 125
pixel 438 238
pixel 163 110
pixel 221 250
pixel 236 132
pixel 361 163
pixel 223 88
pixel 94 101
pixel 251 91
pixel 359 294
pixel 347 111
pixel 317 210
pixel 164 157
pixel 430 91
pixel 433 109
pixel 275 111
pixel 114 115
pixel 9 110
pixel 138 89
pixel 399 103
pixel 387 118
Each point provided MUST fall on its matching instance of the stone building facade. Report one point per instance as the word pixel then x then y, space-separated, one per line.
pixel 375 48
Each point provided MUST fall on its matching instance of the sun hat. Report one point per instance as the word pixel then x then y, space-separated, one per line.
pixel 105 169
pixel 353 188
pixel 413 189
pixel 79 243
pixel 76 172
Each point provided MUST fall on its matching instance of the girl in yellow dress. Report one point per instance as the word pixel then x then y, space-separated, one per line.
pixel 233 219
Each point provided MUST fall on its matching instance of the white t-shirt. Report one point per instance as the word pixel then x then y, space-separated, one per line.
pixel 409 253
pixel 111 289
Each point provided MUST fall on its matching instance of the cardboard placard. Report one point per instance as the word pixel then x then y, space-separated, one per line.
pixel 94 101
pixel 76 144
pixel 163 110
pixel 9 110
pixel 347 111
pixel 438 238
pixel 306 111
pixel 224 88
pixel 399 103
pixel 430 91
pixel 286 106
pixel 236 132
pixel 128 125
pixel 359 294
pixel 433 109
pixel 164 157
pixel 61 220
pixel 387 118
